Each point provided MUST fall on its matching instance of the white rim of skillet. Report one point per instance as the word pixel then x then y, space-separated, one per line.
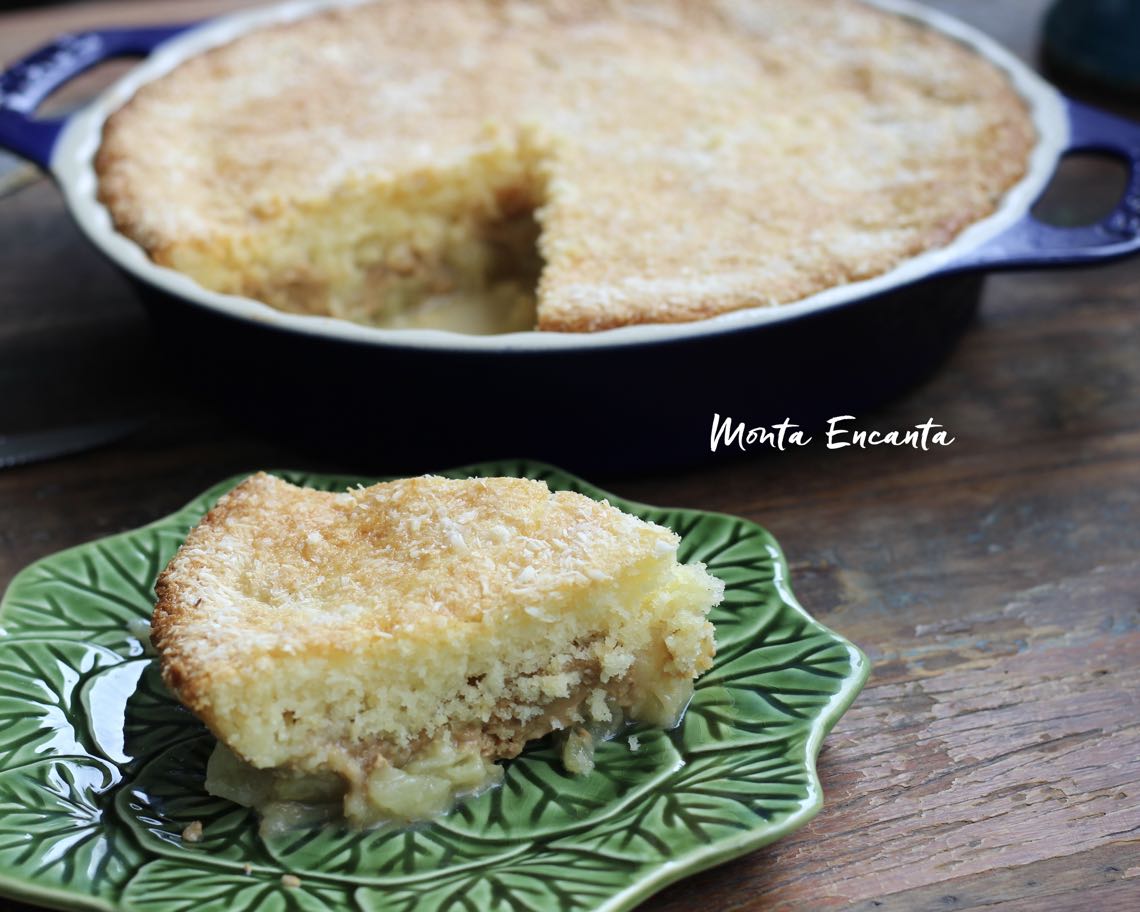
pixel 73 166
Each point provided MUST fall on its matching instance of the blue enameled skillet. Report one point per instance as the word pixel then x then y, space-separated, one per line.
pixel 628 399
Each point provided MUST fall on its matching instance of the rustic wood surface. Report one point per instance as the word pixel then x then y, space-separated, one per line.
pixel 993 760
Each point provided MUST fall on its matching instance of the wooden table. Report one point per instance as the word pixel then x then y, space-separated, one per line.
pixel 993 759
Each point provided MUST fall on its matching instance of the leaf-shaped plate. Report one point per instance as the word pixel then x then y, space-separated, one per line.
pixel 101 769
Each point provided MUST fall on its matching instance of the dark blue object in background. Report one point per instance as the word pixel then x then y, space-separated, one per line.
pixel 1096 42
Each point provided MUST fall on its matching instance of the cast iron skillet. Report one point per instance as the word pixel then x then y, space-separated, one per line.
pixel 629 399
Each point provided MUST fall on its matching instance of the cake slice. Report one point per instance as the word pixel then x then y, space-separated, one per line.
pixel 379 649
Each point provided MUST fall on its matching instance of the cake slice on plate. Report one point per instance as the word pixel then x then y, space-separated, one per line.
pixel 379 649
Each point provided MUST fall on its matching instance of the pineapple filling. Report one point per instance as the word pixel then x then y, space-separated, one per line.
pixel 453 248
pixel 427 785
pixel 430 781
pixel 482 284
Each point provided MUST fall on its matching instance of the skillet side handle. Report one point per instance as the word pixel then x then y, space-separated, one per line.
pixel 1032 244
pixel 27 82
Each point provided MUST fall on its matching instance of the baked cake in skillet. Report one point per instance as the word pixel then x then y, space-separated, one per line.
pixel 575 165
pixel 379 649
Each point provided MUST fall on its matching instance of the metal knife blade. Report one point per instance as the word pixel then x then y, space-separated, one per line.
pixel 35 446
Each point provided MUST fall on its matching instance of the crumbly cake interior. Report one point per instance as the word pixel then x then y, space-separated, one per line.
pixel 453 248
pixel 377 650
pixel 492 165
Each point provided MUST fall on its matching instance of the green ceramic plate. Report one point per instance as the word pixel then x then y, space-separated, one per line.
pixel 101 770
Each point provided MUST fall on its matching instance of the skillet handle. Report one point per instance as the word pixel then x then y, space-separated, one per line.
pixel 28 82
pixel 1032 244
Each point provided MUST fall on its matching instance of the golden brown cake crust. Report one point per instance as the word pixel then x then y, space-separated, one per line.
pixel 276 570
pixel 696 157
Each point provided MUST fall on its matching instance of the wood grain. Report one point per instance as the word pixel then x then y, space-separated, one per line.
pixel 993 760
